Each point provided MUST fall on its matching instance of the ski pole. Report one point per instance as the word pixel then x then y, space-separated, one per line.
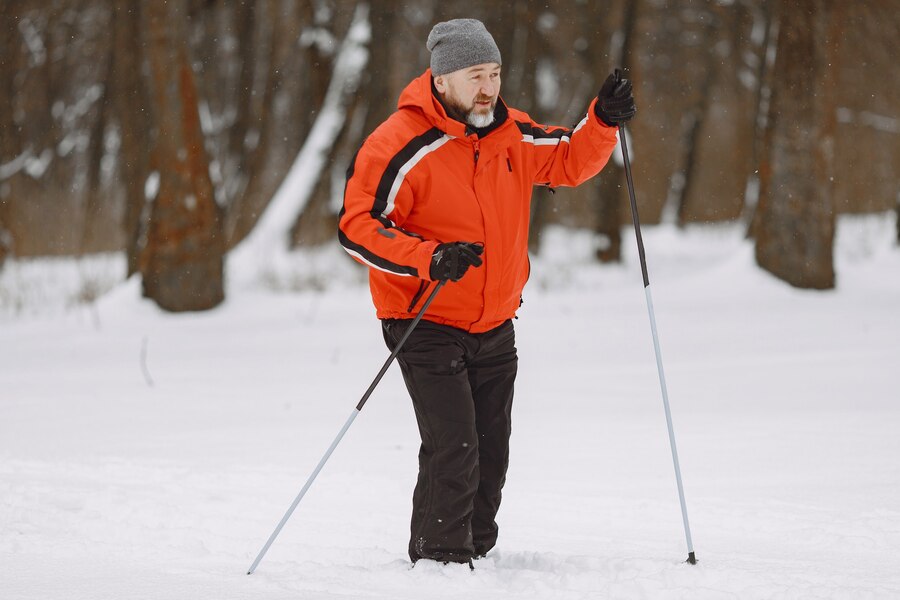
pixel 692 559
pixel 344 429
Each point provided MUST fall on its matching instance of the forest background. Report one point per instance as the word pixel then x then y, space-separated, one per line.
pixel 166 130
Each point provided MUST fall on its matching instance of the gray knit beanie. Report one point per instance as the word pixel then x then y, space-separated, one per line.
pixel 459 44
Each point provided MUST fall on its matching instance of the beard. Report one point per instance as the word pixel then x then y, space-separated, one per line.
pixel 479 120
pixel 471 114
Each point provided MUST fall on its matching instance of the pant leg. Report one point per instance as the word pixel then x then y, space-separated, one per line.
pixel 492 374
pixel 433 362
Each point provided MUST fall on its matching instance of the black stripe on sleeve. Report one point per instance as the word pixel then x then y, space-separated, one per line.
pixel 381 195
pixel 395 164
pixel 541 133
pixel 374 259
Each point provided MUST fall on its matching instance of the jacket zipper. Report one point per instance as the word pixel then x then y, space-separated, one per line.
pixel 477 149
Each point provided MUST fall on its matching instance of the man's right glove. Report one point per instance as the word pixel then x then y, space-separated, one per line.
pixel 615 102
pixel 453 259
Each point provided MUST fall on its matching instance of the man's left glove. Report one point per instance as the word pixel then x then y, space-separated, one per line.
pixel 615 102
pixel 452 260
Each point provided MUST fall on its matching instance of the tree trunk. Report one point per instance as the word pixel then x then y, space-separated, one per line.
pixel 9 140
pixel 271 236
pixel 223 41
pixel 182 262
pixel 287 70
pixel 520 46
pixel 608 199
pixel 694 119
pixel 379 98
pixel 92 235
pixel 897 209
pixel 319 220
pixel 761 106
pixel 129 98
pixel 796 211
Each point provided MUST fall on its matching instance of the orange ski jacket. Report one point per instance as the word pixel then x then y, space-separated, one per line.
pixel 422 178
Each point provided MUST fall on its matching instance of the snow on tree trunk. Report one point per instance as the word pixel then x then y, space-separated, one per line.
pixel 796 216
pixel 181 264
pixel 268 244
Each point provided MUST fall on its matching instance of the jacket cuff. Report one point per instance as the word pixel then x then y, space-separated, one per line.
pixel 423 261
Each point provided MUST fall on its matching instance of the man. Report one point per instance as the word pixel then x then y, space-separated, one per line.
pixel 441 191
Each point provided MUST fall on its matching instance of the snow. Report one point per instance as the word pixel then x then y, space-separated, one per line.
pixel 784 404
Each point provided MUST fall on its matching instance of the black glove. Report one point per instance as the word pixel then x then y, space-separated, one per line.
pixel 452 260
pixel 615 103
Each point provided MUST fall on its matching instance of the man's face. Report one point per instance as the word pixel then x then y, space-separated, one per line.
pixel 471 93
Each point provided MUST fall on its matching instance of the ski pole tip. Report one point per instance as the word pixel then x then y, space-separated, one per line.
pixel 692 559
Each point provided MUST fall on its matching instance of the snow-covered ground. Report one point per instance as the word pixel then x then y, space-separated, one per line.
pixel 149 455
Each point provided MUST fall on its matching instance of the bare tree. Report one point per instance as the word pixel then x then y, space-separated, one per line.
pixel 230 43
pixel 618 36
pixel 129 92
pixel 763 55
pixel 271 237
pixel 796 216
pixel 95 200
pixel 75 128
pixel 280 65
pixel 36 41
pixel 521 45
pixel 694 77
pixel 9 149
pixel 318 221
pixel 181 264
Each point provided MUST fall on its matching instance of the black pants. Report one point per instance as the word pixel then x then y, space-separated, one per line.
pixel 461 386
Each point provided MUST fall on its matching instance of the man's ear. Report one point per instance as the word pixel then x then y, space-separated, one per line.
pixel 440 84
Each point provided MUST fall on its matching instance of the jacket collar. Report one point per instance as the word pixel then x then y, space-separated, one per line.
pixel 420 95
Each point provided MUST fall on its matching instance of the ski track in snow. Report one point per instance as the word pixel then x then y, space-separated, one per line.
pixel 784 404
